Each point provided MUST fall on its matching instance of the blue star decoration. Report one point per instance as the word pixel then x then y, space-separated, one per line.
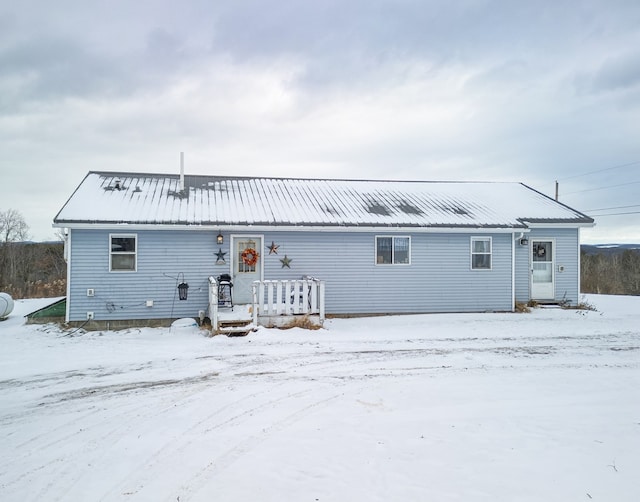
pixel 286 261
pixel 273 249
pixel 220 255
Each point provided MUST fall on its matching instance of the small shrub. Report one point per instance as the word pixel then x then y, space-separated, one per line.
pixel 532 304
pixel 583 304
pixel 522 308
pixel 300 322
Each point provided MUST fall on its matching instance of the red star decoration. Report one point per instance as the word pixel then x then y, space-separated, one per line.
pixel 273 249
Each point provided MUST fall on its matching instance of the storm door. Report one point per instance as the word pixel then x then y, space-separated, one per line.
pixel 542 270
pixel 247 266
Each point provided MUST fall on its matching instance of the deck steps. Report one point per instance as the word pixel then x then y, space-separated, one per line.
pixel 235 327
pixel 549 304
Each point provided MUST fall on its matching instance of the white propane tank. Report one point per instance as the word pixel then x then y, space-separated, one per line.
pixel 6 305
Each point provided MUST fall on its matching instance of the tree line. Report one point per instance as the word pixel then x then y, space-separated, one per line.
pixel 612 273
pixel 29 269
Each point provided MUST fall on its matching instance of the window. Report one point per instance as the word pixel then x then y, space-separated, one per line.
pixel 393 250
pixel 122 255
pixel 481 253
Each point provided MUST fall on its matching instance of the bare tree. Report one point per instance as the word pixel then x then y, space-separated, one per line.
pixel 12 226
pixel 612 274
pixel 29 269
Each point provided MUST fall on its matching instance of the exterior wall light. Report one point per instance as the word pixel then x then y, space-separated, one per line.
pixel 524 241
pixel 182 290
pixel 220 239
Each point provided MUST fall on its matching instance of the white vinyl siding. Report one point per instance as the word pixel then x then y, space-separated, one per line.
pixel 481 253
pixel 393 250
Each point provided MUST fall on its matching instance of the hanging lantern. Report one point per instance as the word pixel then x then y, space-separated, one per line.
pixel 220 239
pixel 182 290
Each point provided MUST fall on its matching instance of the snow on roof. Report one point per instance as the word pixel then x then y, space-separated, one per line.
pixel 156 199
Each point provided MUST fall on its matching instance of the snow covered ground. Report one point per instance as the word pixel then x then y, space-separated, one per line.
pixel 465 407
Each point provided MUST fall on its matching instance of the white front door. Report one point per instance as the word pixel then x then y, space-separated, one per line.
pixel 247 266
pixel 542 270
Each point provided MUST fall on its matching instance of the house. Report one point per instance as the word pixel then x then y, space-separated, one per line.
pixel 379 247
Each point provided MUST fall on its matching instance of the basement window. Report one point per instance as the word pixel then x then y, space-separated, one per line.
pixel 123 252
pixel 393 250
pixel 481 253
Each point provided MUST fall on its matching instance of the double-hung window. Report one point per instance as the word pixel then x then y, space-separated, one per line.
pixel 481 253
pixel 123 250
pixel 393 250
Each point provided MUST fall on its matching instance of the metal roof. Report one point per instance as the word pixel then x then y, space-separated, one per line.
pixel 157 199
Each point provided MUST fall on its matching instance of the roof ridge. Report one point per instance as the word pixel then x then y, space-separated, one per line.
pixel 292 178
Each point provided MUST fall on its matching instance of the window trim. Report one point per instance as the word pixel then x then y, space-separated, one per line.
pixel 393 238
pixel 475 238
pixel 135 253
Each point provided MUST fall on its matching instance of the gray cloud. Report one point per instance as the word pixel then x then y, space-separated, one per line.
pixel 477 89
pixel 50 69
pixel 618 73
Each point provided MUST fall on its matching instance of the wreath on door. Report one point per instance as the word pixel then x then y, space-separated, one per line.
pixel 249 257
pixel 541 251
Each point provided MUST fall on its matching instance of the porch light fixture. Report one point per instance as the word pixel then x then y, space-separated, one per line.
pixel 182 290
pixel 524 241
pixel 220 239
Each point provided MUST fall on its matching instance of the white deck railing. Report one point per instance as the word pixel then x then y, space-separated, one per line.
pixel 289 297
pixel 277 298
pixel 213 303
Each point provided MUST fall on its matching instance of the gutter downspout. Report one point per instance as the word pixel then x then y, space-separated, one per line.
pixel 513 270
pixel 67 243
pixel 579 270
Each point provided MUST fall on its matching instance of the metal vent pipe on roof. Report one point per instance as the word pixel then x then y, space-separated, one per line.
pixel 181 188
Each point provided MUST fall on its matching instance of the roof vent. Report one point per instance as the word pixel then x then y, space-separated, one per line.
pixel 181 188
pixel 116 184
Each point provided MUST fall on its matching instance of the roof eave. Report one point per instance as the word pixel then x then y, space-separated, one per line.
pixel 265 227
pixel 560 223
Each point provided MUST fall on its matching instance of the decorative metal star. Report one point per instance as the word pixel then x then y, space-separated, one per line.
pixel 273 249
pixel 286 261
pixel 220 255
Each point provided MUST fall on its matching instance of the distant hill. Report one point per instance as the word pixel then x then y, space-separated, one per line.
pixel 608 249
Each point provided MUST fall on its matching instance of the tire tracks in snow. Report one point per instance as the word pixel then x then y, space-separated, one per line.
pixel 230 414
pixel 111 425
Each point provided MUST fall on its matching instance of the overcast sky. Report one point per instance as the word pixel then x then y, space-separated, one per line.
pixel 476 90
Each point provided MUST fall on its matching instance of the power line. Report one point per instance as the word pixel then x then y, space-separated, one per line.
pixel 603 188
pixel 619 166
pixel 615 214
pixel 609 208
pixel 601 170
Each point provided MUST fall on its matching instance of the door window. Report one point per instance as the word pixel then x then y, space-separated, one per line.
pixel 542 256
pixel 542 251
pixel 248 256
